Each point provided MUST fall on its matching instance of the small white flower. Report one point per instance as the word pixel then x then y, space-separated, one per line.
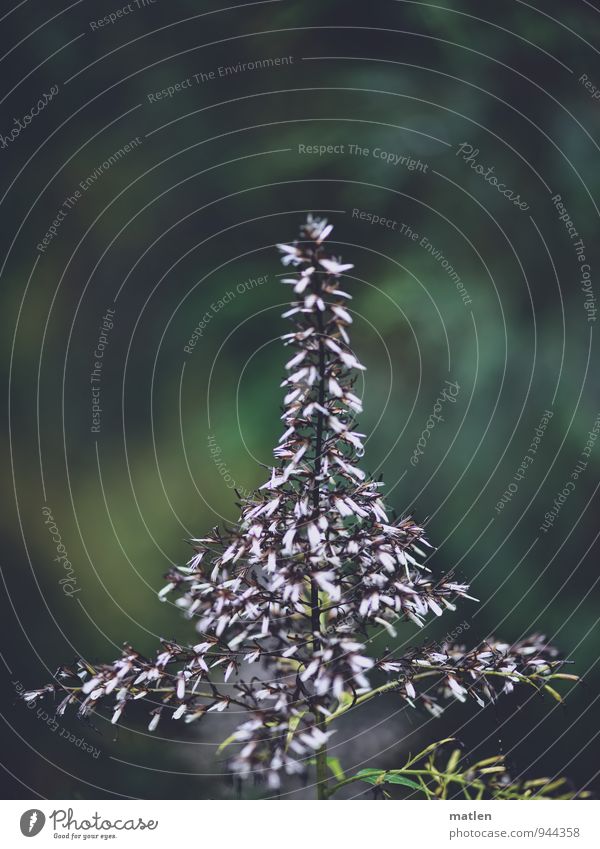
pixel 154 722
pixel 334 267
pixel 165 590
pixel 314 537
pixel 342 313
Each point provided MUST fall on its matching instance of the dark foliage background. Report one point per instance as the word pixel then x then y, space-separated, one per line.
pixel 192 213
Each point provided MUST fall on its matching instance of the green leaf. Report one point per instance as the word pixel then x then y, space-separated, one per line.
pixel 553 692
pixel 292 726
pixel 345 700
pixel 453 760
pixel 380 776
pixel 336 769
pixel 226 742
pixel 399 779
pixel 370 775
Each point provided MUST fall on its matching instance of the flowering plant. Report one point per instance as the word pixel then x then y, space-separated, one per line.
pixel 295 589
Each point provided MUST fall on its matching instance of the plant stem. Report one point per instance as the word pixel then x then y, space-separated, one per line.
pixel 322 768
pixel 314 588
pixel 363 698
pixel 315 613
pixel 315 608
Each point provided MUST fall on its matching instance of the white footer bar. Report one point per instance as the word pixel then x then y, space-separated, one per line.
pixel 300 824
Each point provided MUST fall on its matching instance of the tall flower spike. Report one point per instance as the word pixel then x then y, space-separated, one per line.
pixel 312 566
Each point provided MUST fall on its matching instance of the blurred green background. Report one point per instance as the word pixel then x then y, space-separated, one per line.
pixel 193 212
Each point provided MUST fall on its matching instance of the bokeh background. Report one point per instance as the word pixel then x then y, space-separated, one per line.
pixel 191 213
